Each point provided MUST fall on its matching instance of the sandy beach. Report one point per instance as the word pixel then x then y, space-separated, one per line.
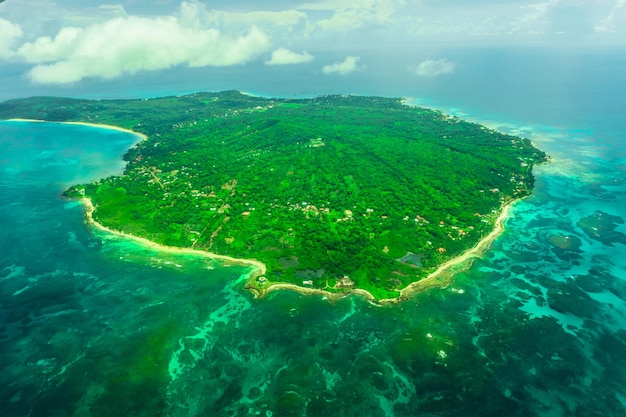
pixel 302 290
pixel 100 126
pixel 111 127
pixel 440 277
pixel 259 268
pixel 443 274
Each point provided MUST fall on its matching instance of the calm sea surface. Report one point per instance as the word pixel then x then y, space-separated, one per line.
pixel 94 325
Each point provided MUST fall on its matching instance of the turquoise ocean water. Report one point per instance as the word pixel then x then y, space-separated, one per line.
pixel 95 325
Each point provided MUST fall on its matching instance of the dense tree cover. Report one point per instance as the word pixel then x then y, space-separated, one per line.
pixel 318 189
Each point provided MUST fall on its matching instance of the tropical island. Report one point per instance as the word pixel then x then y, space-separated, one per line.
pixel 334 195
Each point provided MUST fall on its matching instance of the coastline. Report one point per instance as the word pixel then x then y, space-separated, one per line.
pixel 444 272
pixel 331 296
pixel 96 125
pixel 259 268
pixel 437 278
pixel 110 127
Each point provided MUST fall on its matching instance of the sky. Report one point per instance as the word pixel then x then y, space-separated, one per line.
pixel 71 43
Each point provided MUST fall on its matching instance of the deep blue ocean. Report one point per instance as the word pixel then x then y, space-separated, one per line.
pixel 92 324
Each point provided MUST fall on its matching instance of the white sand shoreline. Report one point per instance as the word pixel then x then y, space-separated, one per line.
pixel 438 278
pixel 259 268
pixel 434 279
pixel 464 260
pixel 96 125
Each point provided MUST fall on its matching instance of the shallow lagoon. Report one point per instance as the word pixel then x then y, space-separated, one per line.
pixel 92 324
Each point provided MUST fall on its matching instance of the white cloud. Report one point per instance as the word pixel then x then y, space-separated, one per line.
pixel 492 22
pixel 9 32
pixel 433 68
pixel 132 44
pixel 46 49
pixel 345 67
pixel 280 19
pixel 277 22
pixel 353 14
pixel 282 56
pixel 615 20
pixel 69 41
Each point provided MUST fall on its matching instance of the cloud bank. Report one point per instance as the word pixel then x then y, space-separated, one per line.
pixel 65 42
pixel 9 33
pixel 282 56
pixel 615 20
pixel 347 66
pixel 127 45
pixel 353 14
pixel 433 68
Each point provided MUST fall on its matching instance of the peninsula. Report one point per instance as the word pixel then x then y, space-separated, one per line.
pixel 333 195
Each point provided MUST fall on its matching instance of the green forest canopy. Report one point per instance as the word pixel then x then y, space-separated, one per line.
pixel 317 189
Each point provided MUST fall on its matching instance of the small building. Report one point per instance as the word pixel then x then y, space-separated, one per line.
pixel 345 282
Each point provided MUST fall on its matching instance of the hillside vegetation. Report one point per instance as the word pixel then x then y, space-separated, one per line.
pixel 332 192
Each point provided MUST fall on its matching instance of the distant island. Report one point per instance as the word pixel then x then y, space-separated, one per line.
pixel 331 195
